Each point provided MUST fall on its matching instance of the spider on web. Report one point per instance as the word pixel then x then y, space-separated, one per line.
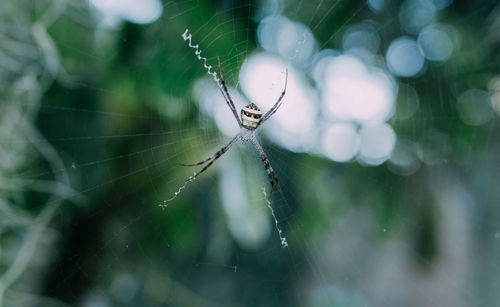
pixel 251 119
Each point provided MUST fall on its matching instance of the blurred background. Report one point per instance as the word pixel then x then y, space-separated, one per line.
pixel 386 148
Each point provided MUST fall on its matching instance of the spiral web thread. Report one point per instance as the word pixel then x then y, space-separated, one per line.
pixel 197 51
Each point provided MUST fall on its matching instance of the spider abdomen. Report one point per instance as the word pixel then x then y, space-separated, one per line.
pixel 250 116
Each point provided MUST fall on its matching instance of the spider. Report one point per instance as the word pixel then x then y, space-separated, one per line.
pixel 251 119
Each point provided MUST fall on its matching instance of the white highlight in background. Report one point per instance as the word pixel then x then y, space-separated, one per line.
pixel 321 59
pixel 353 92
pixel 340 142
pixel 262 79
pixel 142 12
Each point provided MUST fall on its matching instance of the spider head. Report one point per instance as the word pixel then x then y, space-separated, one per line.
pixel 250 116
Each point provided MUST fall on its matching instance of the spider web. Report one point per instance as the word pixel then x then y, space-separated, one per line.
pixel 118 109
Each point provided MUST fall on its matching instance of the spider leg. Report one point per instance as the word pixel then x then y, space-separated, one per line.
pixel 269 169
pixel 272 176
pixel 228 99
pixel 199 163
pixel 212 159
pixel 276 105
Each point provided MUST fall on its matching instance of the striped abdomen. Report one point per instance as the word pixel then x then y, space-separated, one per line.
pixel 250 116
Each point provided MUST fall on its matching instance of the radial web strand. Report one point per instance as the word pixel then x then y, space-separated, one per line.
pixel 187 37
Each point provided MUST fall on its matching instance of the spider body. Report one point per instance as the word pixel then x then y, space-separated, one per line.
pixel 250 119
pixel 250 116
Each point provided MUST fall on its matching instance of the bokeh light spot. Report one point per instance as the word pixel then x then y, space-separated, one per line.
pixel 494 88
pixel 340 142
pixel 292 40
pixel 377 143
pixel 435 43
pixel 377 5
pixel 354 91
pixel 474 107
pixel 362 35
pixel 404 58
pixel 416 14
pixel 404 159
